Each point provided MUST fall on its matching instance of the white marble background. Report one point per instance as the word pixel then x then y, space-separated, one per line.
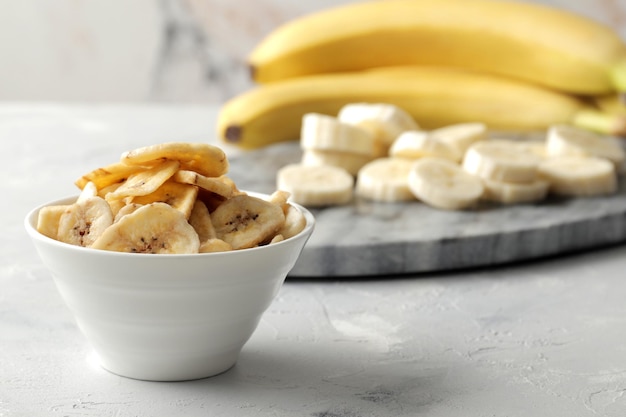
pixel 189 51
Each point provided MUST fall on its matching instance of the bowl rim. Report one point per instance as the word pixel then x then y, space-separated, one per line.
pixel 31 218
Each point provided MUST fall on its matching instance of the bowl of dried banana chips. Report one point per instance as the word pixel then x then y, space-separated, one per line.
pixel 166 265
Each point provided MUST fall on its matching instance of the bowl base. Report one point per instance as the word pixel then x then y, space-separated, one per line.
pixel 172 370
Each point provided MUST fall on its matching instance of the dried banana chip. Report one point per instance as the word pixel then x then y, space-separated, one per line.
pixel 154 228
pixel 215 245
pixel 84 221
pixel 200 219
pixel 126 209
pixel 108 175
pixel 246 221
pixel 48 220
pixel 146 181
pixel 295 222
pixel 202 158
pixel 180 196
pixel 90 190
pixel 214 185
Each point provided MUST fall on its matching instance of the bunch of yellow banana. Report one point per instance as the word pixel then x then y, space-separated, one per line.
pixel 511 65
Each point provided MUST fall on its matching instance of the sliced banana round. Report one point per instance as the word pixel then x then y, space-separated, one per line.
pixel 460 136
pixel 246 221
pixel 385 180
pixel 566 140
pixel 416 144
pixel 349 161
pixel 84 221
pixel 443 184
pixel 153 228
pixel 316 186
pixel 579 176
pixel 323 132
pixel 386 121
pixel 202 158
pixel 501 160
pixel 515 193
pixel 535 147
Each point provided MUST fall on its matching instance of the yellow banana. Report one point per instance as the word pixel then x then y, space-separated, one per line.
pixel 435 97
pixel 528 41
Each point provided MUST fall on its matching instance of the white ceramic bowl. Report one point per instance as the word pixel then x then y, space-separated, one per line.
pixel 167 317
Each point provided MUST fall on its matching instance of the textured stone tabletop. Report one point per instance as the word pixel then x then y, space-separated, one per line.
pixel 541 338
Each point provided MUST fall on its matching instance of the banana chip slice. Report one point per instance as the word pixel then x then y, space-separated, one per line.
pixel 154 228
pixel 215 245
pixel 245 221
pixel 180 196
pixel 108 175
pixel 200 219
pixel 212 184
pixel 202 158
pixel 48 220
pixel 295 222
pixel 126 209
pixel 84 221
pixel 147 181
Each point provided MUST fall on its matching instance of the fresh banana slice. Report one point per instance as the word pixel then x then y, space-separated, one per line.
pixel 48 220
pixel 216 185
pixel 153 228
pixel 316 186
pixel 349 161
pixel 180 196
pixel 246 221
pixel 460 136
pixel 565 140
pixel 200 220
pixel 202 158
pixel 535 147
pixel 108 175
pixel 387 121
pixel 323 132
pixel 386 180
pixel 416 144
pixel 579 176
pixel 501 160
pixel 515 193
pixel 84 221
pixel 146 181
pixel 443 184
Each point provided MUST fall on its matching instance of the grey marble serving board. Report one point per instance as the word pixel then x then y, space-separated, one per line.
pixel 376 239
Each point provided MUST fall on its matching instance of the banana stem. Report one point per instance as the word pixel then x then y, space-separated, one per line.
pixel 601 122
